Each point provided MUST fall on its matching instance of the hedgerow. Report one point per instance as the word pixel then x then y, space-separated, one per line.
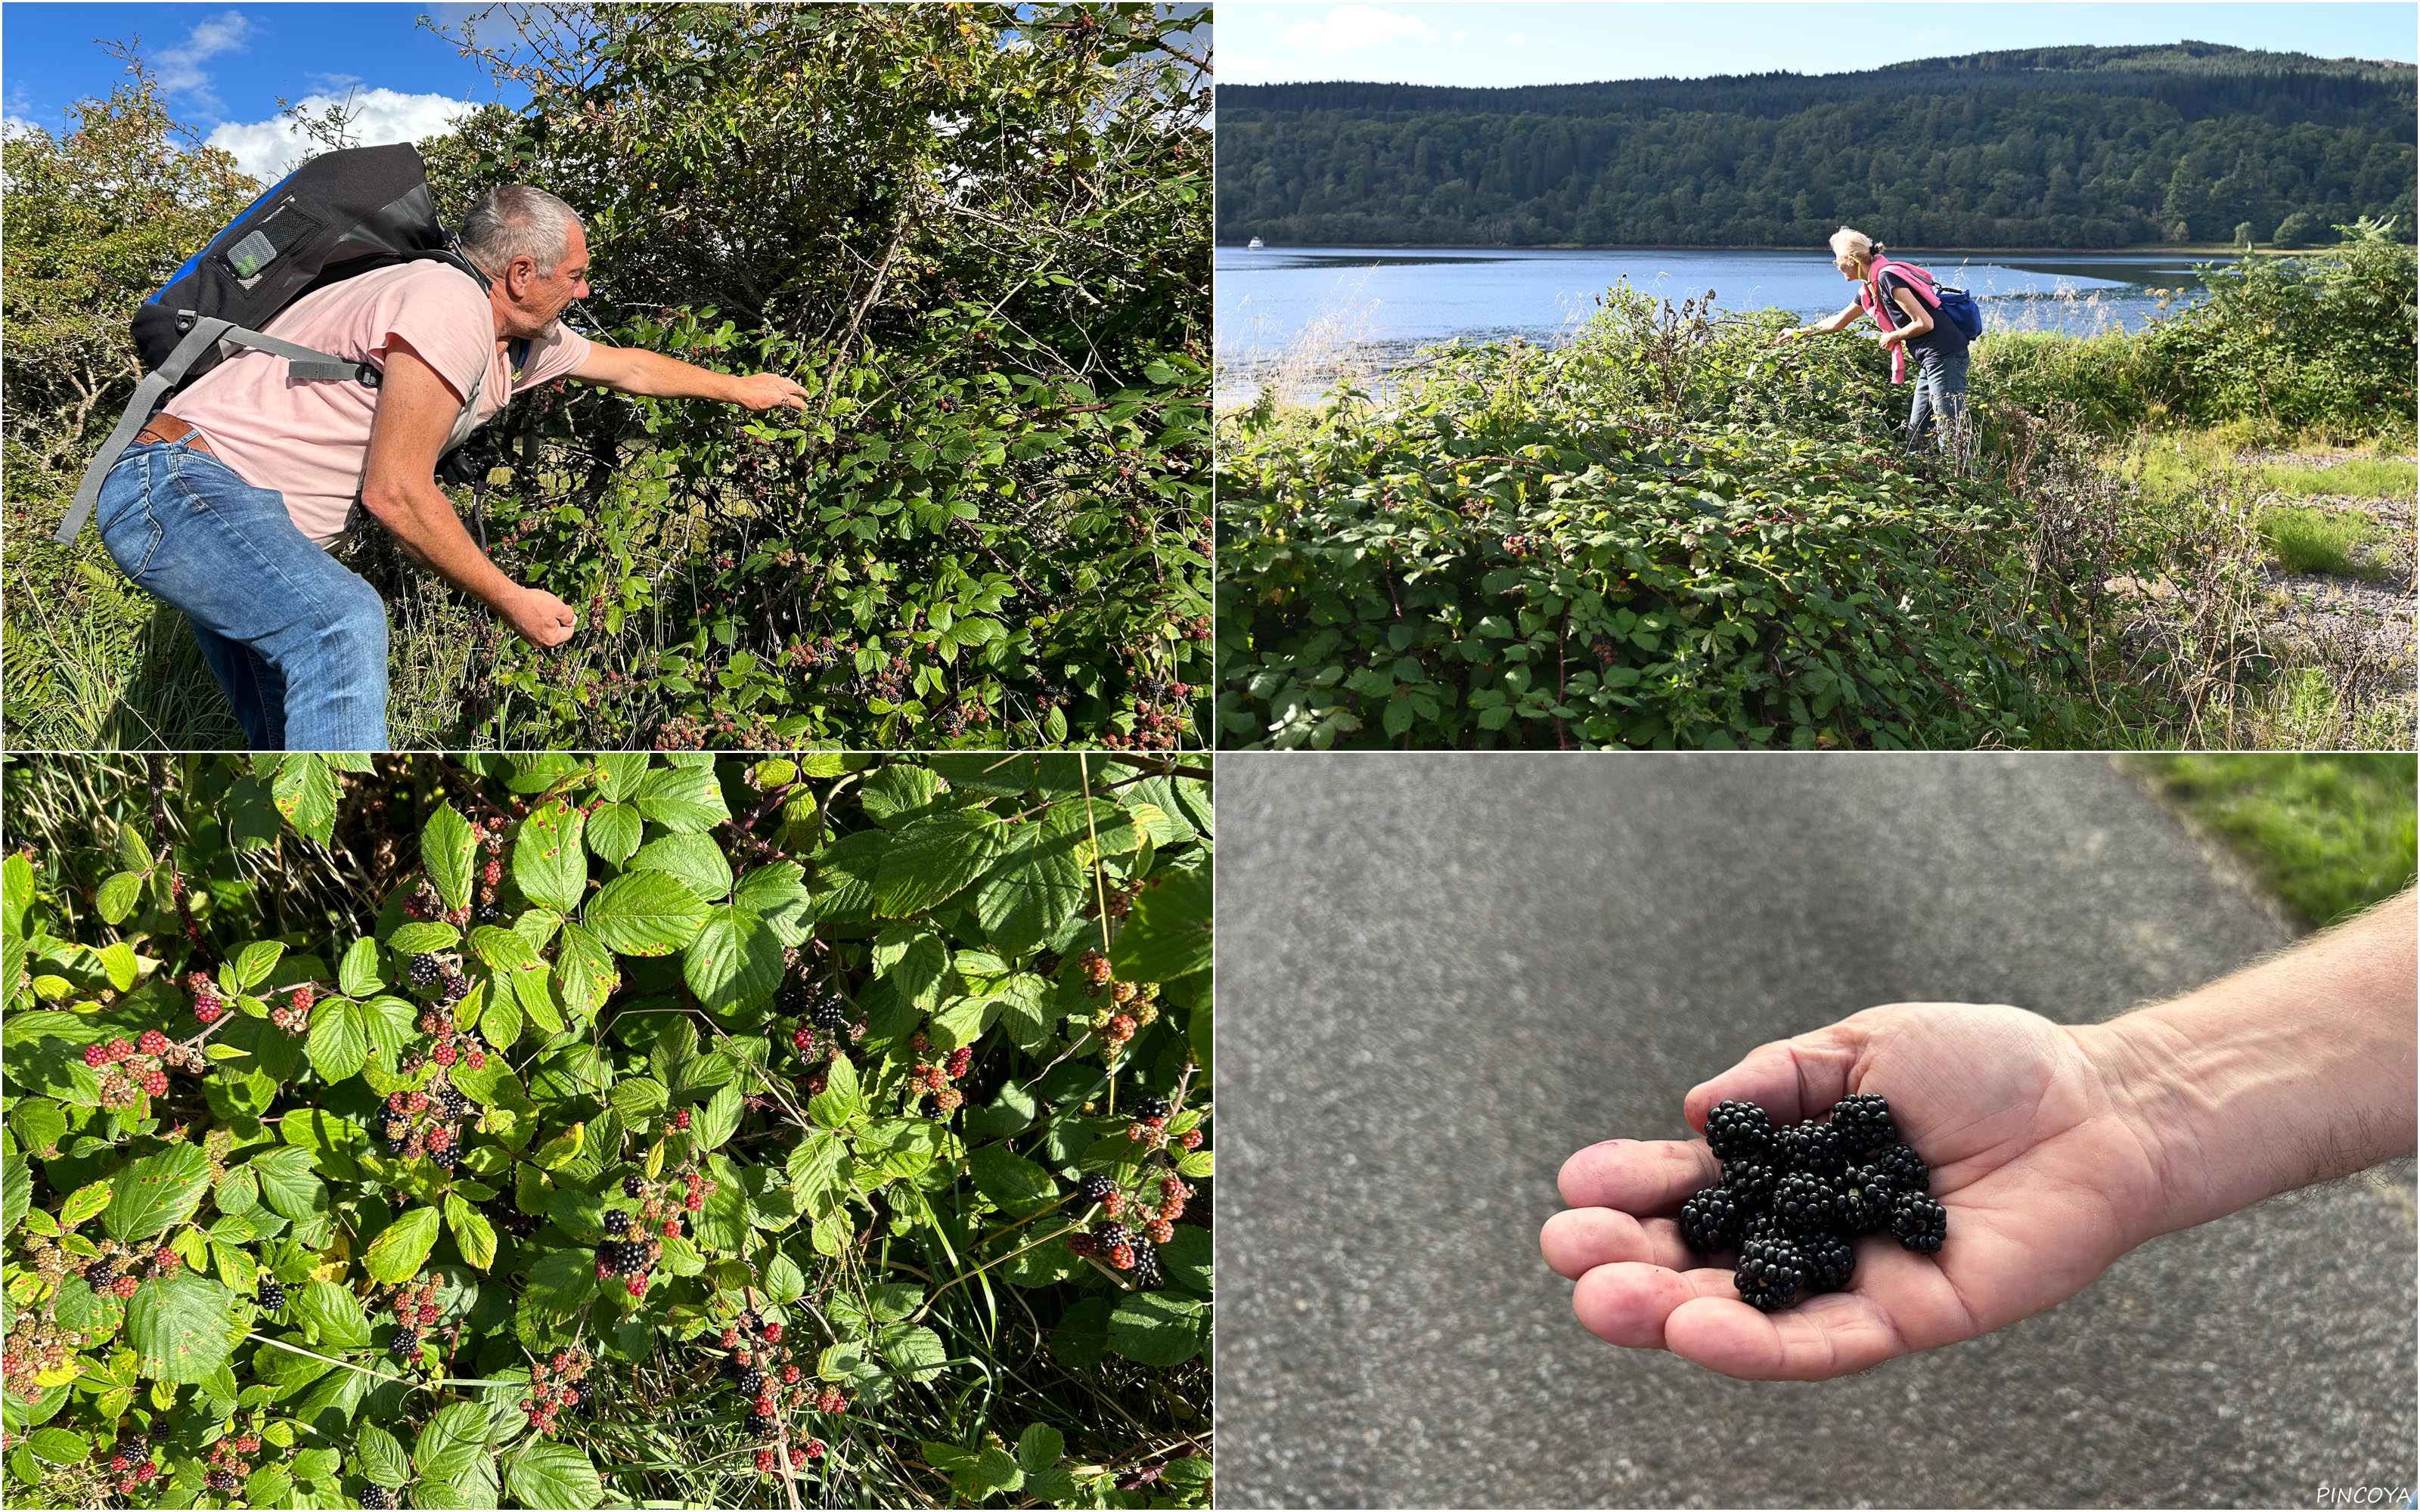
pixel 577 1131
pixel 1666 532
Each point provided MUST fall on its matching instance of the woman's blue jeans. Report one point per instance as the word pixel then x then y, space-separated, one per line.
pixel 1940 395
pixel 296 639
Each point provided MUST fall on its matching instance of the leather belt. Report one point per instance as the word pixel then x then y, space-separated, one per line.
pixel 169 428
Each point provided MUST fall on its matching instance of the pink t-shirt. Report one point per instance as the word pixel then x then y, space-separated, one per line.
pixel 310 440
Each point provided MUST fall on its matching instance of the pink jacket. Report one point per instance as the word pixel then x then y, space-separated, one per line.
pixel 1870 298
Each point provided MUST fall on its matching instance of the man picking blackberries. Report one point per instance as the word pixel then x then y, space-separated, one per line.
pixel 228 502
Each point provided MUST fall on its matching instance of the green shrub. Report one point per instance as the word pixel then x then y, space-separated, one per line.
pixel 2321 345
pixel 415 1040
pixel 1669 533
pixel 2332 834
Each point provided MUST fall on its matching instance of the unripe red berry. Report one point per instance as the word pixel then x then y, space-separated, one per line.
pixel 153 1042
pixel 155 1082
pixel 680 1120
pixel 303 999
pixel 446 1055
pixel 478 1058
pixel 773 1332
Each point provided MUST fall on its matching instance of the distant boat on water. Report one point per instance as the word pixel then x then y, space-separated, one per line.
pixel 1253 245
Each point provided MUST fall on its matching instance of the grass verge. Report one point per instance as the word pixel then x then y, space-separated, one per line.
pixel 2331 834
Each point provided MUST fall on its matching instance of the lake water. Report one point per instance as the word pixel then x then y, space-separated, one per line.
pixel 1295 310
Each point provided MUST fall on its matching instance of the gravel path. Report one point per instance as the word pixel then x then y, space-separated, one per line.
pixel 1441 974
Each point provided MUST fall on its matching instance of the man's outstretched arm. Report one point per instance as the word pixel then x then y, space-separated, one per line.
pixel 2294 1071
pixel 653 376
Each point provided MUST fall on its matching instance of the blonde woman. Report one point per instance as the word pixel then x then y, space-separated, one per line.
pixel 1904 301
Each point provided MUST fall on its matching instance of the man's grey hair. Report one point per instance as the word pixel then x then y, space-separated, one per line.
pixel 518 221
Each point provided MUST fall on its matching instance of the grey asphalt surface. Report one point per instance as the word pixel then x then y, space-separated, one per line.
pixel 1440 975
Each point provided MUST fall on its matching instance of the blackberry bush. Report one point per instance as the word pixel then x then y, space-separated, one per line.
pixel 595 1229
pixel 1792 1199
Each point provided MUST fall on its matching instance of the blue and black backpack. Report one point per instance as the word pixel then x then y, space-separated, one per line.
pixel 339 215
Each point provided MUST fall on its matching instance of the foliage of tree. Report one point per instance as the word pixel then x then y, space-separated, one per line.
pixel 980 236
pixel 578 1130
pixel 2047 148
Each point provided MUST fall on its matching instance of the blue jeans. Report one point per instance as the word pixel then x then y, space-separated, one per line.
pixel 1940 394
pixel 296 639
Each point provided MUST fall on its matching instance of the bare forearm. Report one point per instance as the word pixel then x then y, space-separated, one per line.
pixel 653 376
pixel 423 523
pixel 2294 1071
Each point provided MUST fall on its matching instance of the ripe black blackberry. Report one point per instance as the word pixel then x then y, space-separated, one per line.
pixel 426 970
pixel 100 1273
pixel 487 913
pixel 405 1346
pixel 1810 1147
pixel 1831 1259
pixel 1771 1269
pixel 1714 1219
pixel 617 1223
pixel 622 1256
pixel 1862 1121
pixel 446 1159
pixel 1152 1107
pixel 375 1495
pixel 222 1480
pixel 1147 1272
pixel 1738 1130
pixel 634 1185
pixel 1752 1182
pixel 1095 1188
pixel 1803 1203
pixel 1902 1167
pixel 1861 1200
pixel 1112 1234
pixel 830 1015
pixel 751 1381
pixel 756 1424
pixel 583 1396
pixel 1918 1222
pixel 454 1102
pixel 271 1295
pixel 453 987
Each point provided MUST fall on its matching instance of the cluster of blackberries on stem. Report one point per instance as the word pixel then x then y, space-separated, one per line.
pixel 416 1308
pixel 634 1241
pixel 425 902
pixel 1149 1126
pixel 132 1069
pixel 119 1269
pixel 1154 1208
pixel 762 1367
pixel 558 1384
pixel 130 1465
pixel 938 1076
pixel 1792 1198
pixel 1132 1005
pixel 416 1124
pixel 230 1462
pixel 294 1014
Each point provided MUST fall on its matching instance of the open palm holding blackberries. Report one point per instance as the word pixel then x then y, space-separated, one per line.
pixel 2040 1176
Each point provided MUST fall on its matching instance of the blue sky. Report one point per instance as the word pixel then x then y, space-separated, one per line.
pixel 224 67
pixel 1497 42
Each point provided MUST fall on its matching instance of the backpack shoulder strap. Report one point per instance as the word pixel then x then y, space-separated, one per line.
pixel 305 362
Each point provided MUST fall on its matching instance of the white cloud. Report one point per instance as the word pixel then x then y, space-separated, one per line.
pixel 16 125
pixel 181 67
pixel 266 150
pixel 1246 68
pixel 1461 37
pixel 1349 28
pixel 1517 39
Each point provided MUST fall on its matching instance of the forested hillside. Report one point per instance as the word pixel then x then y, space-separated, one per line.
pixel 2072 146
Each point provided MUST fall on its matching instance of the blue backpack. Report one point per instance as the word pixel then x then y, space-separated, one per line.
pixel 1955 303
